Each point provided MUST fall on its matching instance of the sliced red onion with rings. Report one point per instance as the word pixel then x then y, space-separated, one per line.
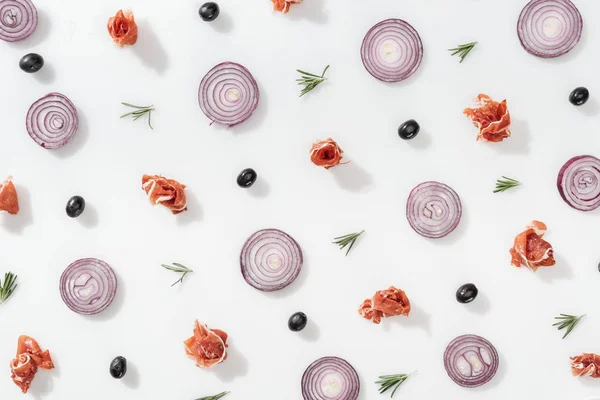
pixel 88 286
pixel 471 360
pixel 228 94
pixel 549 28
pixel 18 19
pixel 52 121
pixel 579 183
pixel 433 209
pixel 392 50
pixel 330 378
pixel 270 260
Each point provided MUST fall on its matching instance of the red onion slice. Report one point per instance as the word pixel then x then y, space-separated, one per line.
pixel 228 94
pixel 330 378
pixel 549 28
pixel 392 50
pixel 18 19
pixel 579 183
pixel 433 209
pixel 52 121
pixel 471 360
pixel 270 260
pixel 88 286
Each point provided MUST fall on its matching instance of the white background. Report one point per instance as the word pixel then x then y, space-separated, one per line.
pixel 149 320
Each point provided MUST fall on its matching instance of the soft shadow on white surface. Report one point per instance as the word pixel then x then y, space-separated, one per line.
pixel 562 270
pixel 46 75
pixel 352 177
pixel 223 23
pixel 89 217
pixel 480 305
pixel 116 304
pixel 235 366
pixel 311 332
pixel 17 223
pixel 38 36
pixel 260 188
pixel 591 108
pixel 194 212
pixel 518 143
pixel 77 141
pixel 417 318
pixel 421 142
pixel 42 385
pixel 149 49
pixel 498 378
pixel 132 377
pixel 309 10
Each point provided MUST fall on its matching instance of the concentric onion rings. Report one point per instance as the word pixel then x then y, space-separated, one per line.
pixel 88 286
pixel 433 209
pixel 578 183
pixel 18 19
pixel 52 121
pixel 471 360
pixel 330 378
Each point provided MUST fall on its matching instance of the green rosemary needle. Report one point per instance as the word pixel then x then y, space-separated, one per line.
pixel 310 81
pixel 8 286
pixel 176 267
pixel 139 112
pixel 506 183
pixel 346 240
pixel 215 397
pixel 387 382
pixel 567 321
pixel 462 50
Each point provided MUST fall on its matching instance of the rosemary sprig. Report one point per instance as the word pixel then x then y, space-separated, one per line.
pixel 177 268
pixel 346 240
pixel 139 112
pixel 8 287
pixel 310 81
pixel 506 183
pixel 391 381
pixel 462 50
pixel 215 397
pixel 567 321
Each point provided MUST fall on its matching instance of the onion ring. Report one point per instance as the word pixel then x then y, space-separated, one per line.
pixel 471 360
pixel 578 183
pixel 330 378
pixel 52 121
pixel 88 286
pixel 433 209
pixel 18 19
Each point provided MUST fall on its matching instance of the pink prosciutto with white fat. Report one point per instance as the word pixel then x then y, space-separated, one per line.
pixel 530 250
pixel 167 192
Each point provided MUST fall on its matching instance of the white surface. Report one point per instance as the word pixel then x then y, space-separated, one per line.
pixel 149 320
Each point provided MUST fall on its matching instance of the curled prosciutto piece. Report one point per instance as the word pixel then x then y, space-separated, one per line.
pixel 385 303
pixel 9 201
pixel 326 153
pixel 586 364
pixel 167 192
pixel 122 28
pixel 208 346
pixel 530 249
pixel 284 5
pixel 491 118
pixel 29 358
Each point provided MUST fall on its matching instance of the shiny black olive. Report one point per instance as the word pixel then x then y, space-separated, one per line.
pixel 466 293
pixel 118 367
pixel 31 63
pixel 209 11
pixel 246 178
pixel 297 321
pixel 409 129
pixel 579 96
pixel 75 206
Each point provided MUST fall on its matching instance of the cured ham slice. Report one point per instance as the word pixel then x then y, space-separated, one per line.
pixel 122 28
pixel 284 5
pixel 385 303
pixel 530 250
pixel 326 153
pixel 208 346
pixel 167 192
pixel 29 358
pixel 9 200
pixel 491 118
pixel 586 364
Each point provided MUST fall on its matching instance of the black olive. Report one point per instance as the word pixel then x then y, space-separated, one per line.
pixel 118 367
pixel 209 11
pixel 579 96
pixel 246 178
pixel 466 293
pixel 75 206
pixel 297 321
pixel 31 63
pixel 409 129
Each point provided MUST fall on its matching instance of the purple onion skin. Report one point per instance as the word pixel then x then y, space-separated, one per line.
pixel 594 163
pixel 40 136
pixel 91 266
pixel 414 217
pixel 471 344
pixel 310 383
pixel 9 11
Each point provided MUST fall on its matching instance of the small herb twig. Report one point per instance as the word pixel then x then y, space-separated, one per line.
pixel 387 382
pixel 346 240
pixel 567 321
pixel 215 397
pixel 176 267
pixel 506 183
pixel 310 81
pixel 139 112
pixel 8 286
pixel 462 50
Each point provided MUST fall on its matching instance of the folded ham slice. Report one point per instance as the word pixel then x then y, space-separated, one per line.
pixel 587 364
pixel 385 303
pixel 208 346
pixel 9 201
pixel 29 358
pixel 530 250
pixel 167 192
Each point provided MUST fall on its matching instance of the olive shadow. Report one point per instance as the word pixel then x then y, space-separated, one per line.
pixel 313 11
pixel 77 141
pixel 498 377
pixel 560 271
pixel 43 383
pixel 352 177
pixel 459 232
pixel 260 188
pixel 294 287
pixel 235 366
pixel 149 49
pixel 89 217
pixel 46 75
pixel 17 223
pixel 132 377
pixel 421 142
pixel 116 305
pixel 480 305
pixel 194 211
pixel 519 141
pixel 258 117
pixel 223 23
pixel 39 35
pixel 591 108
pixel 311 332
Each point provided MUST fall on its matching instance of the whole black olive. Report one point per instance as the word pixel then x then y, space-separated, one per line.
pixel 118 367
pixel 31 63
pixel 297 321
pixel 409 129
pixel 579 96
pixel 75 206
pixel 246 178
pixel 209 11
pixel 466 293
